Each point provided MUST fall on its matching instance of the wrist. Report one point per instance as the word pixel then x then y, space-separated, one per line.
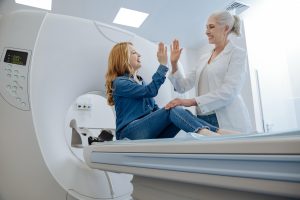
pixel 174 67
pixel 174 64
pixel 194 102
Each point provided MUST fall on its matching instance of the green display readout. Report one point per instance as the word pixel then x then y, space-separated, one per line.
pixel 16 57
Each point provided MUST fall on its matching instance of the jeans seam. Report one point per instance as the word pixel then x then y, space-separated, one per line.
pixel 195 130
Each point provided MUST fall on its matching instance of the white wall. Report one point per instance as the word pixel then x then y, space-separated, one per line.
pixel 272 33
pixel 293 52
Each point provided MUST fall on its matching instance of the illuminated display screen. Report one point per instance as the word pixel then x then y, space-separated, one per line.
pixel 16 57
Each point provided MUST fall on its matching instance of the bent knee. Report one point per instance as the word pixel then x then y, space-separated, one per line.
pixel 180 109
pixel 177 109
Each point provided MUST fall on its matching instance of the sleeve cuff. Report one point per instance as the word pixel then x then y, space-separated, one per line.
pixel 202 108
pixel 175 75
pixel 162 70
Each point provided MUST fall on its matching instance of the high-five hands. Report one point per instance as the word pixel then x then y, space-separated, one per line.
pixel 162 55
pixel 181 102
pixel 175 55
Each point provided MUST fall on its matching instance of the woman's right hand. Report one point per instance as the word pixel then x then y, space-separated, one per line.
pixel 180 102
pixel 162 55
pixel 175 55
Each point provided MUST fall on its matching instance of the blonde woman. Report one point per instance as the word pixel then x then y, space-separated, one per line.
pixel 137 115
pixel 218 79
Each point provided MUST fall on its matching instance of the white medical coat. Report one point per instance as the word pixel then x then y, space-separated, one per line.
pixel 226 76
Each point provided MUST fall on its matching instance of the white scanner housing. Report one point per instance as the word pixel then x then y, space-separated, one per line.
pixel 47 61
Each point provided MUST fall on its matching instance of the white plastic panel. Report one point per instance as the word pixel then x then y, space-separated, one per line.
pixel 19 32
pixel 21 159
pixel 70 65
pixel 113 34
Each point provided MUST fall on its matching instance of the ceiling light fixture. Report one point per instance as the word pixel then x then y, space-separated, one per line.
pixel 43 4
pixel 129 17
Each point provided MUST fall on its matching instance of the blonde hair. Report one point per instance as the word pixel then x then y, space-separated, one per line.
pixel 232 21
pixel 118 65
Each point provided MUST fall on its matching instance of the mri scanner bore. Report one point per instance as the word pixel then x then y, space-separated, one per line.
pixel 89 125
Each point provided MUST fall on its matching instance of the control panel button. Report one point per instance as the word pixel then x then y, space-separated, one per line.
pixel 14 93
pixel 8 87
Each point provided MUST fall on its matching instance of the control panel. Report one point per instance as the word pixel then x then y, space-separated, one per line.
pixel 14 72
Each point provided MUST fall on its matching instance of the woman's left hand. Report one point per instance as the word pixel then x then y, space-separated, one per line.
pixel 162 55
pixel 181 102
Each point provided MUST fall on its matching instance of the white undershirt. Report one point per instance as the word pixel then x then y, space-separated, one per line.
pixel 136 79
pixel 203 88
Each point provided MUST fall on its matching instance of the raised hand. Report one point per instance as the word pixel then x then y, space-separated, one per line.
pixel 162 55
pixel 175 55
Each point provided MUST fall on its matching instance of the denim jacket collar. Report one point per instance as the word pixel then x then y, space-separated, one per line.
pixel 131 76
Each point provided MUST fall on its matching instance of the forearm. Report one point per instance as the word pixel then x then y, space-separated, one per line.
pixel 182 84
pixel 158 79
pixel 126 87
pixel 174 67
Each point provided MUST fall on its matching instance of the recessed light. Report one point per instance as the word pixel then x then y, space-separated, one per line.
pixel 129 17
pixel 43 4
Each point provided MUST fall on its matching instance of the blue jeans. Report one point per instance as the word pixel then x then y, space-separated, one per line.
pixel 211 119
pixel 164 123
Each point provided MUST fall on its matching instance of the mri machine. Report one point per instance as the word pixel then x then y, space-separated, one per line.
pixel 47 62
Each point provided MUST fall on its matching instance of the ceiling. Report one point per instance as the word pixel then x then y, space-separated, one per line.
pixel 168 19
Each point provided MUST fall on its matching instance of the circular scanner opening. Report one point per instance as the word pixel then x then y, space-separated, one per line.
pixel 87 117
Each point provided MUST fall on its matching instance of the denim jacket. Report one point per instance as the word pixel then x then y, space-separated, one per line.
pixel 132 100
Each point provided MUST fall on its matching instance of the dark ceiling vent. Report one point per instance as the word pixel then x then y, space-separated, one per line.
pixel 237 7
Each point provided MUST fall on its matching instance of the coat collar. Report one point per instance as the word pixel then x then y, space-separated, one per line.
pixel 228 48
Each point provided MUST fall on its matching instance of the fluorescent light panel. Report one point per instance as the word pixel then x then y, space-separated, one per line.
pixel 43 4
pixel 129 17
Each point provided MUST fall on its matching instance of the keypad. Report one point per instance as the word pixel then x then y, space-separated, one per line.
pixel 14 84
